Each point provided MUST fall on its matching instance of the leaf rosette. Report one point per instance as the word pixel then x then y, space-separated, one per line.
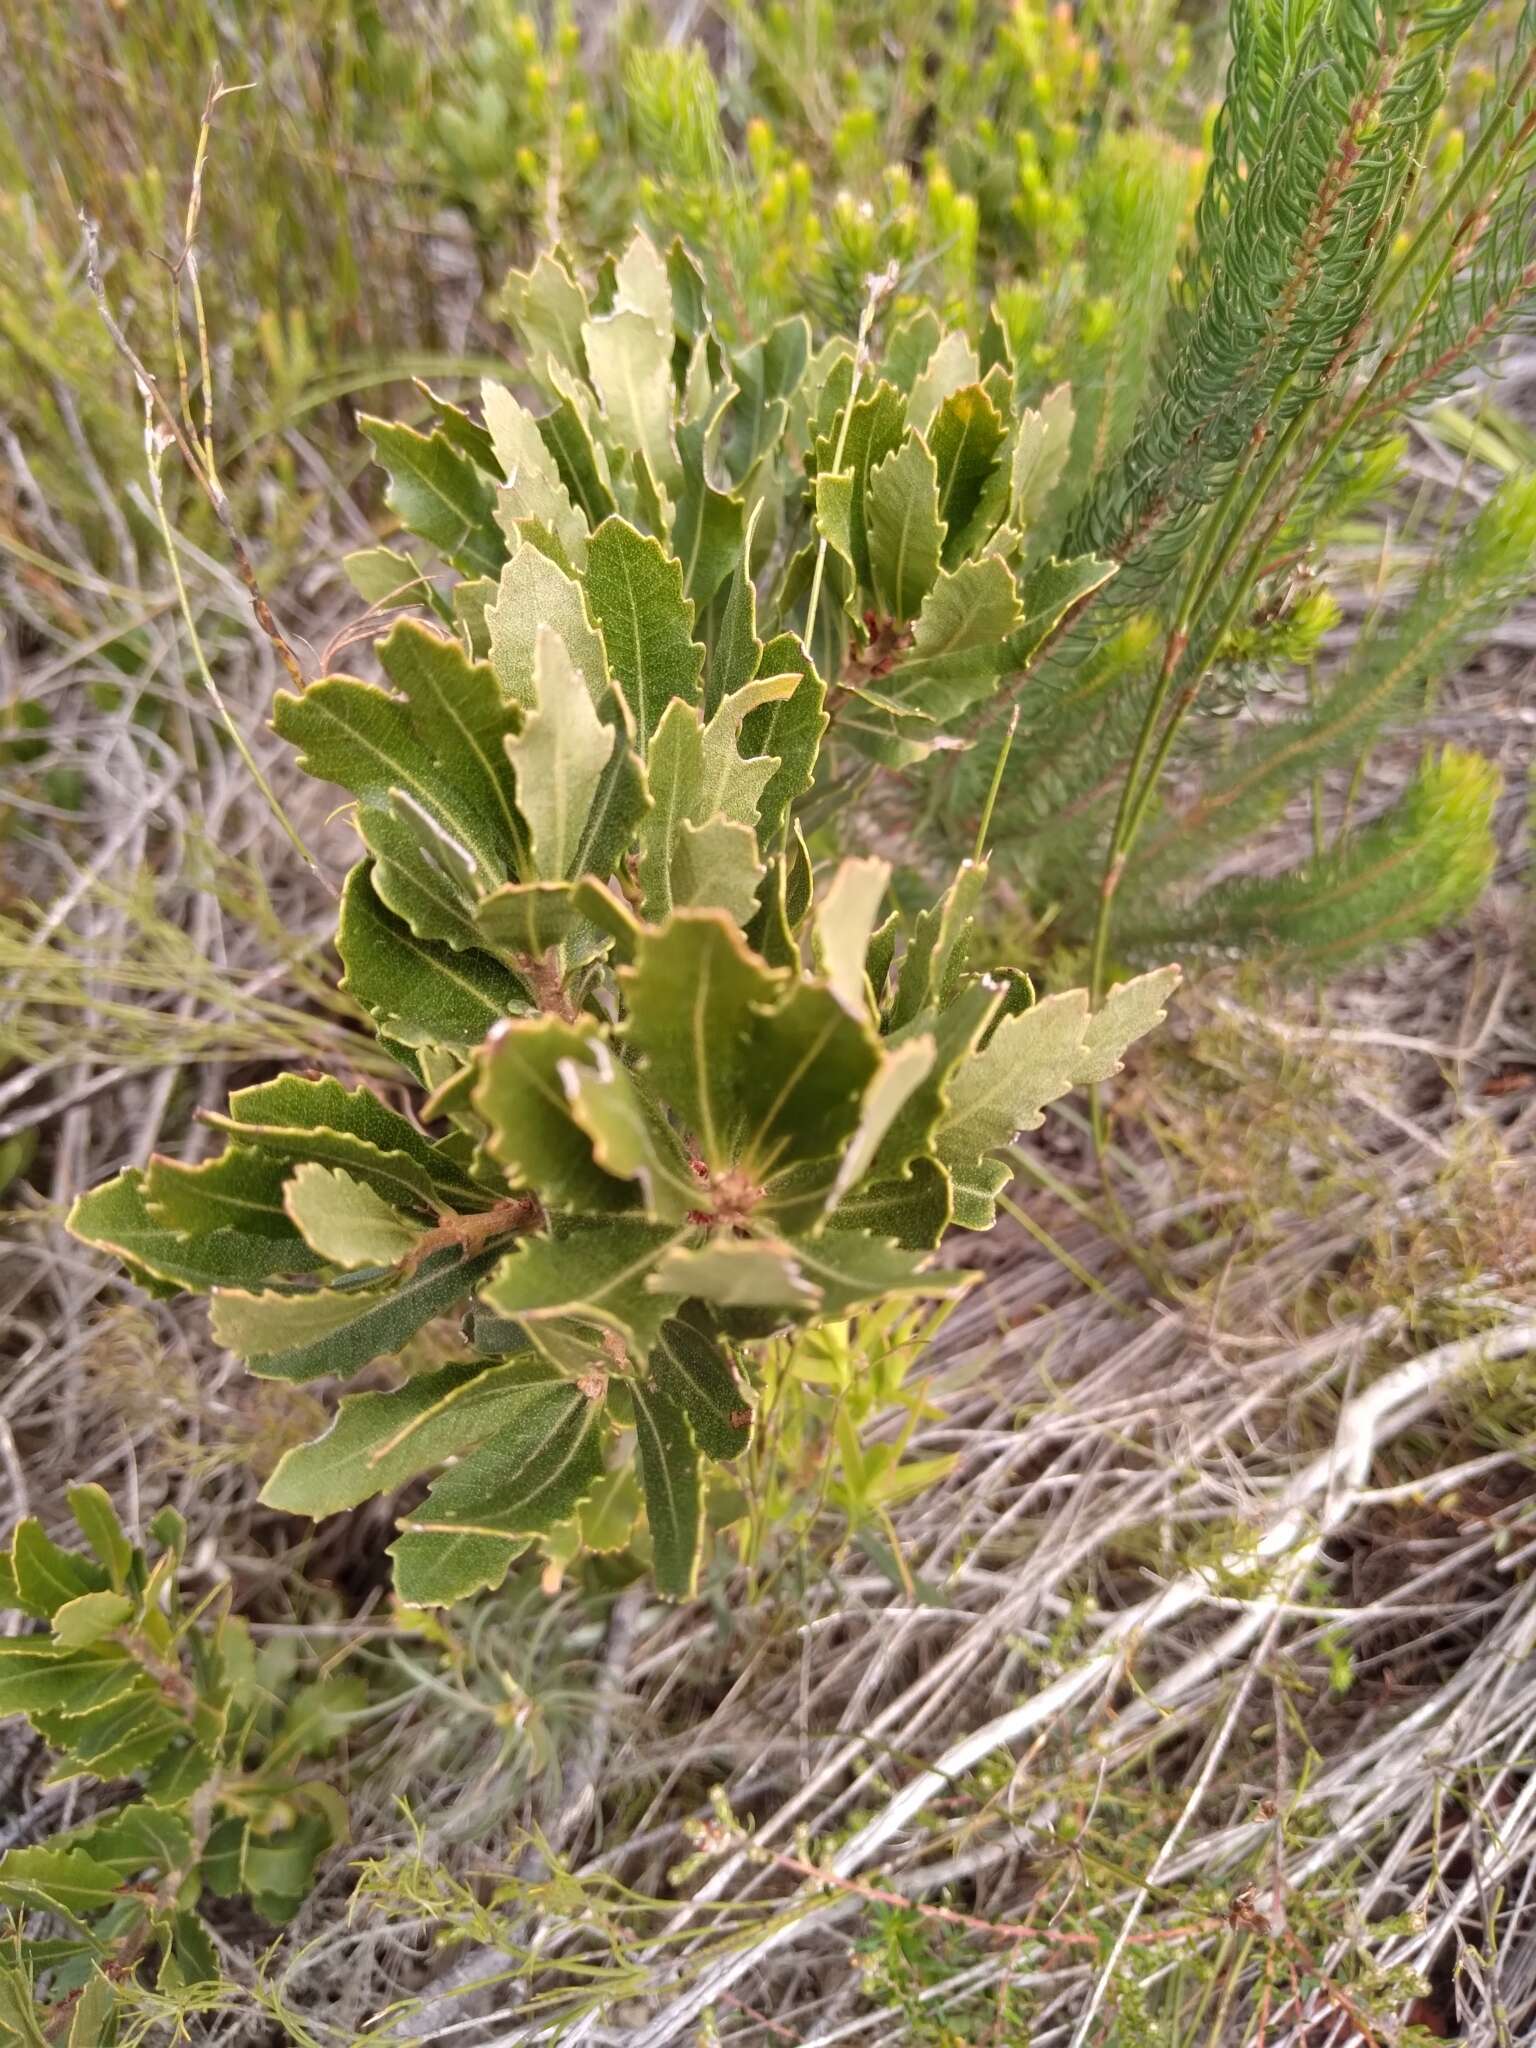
pixel 679 1090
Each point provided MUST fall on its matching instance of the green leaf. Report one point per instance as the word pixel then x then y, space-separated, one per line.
pixel 303 1119
pixel 737 1272
pixel 967 439
pixel 88 1617
pixel 603 908
pixel 914 1210
pixel 1042 442
pixel 715 864
pixel 789 731
pixel 910 345
pixel 772 932
pixel 758 1083
pixel 92 1508
pixel 48 1576
pixel 298 1337
pixel 1130 1010
pixel 1051 590
pixel 140 1837
pixel 435 852
pixel 675 774
pixel 583 466
pixel 737 654
pixel 767 373
pixel 425 796
pixel 1029 1061
pixel 242 1190
pixel 844 923
pixel 906 531
pixel 118 1740
pixel 560 759
pixel 605 1521
pixel 439 494
pixel 37 1677
pixel 689 996
pixel 827 634
pixel 806 1063
pixel 19 2025
pixel 708 526
pixel 383 576
pixel 379 1441
pixel 631 365
pixel 939 947
pixel 534 487
pixel 533 1472
pixel 834 523
pixel 641 283
pixel 690 307
pixel 956 1031
pixel 90 2023
pixel 1033 1058
pixel 343 1219
pixel 794 1199
pixel 849 1268
pixel 618 807
pixel 435 1568
pixel 535 593
pixel 669 1478
pixel 976 605
pixel 223 1858
pixel 696 844
pixel 636 594
pixel 279 1868
pixel 62 1881
pixel 468 610
pixel 114 1218
pixel 527 919
pixel 466 433
pixel 950 368
pixel 692 1371
pixel 902 1070
pixel 416 990
pixel 630 1137
pixel 597 1275
pixel 875 427
pixel 548 308
pixel 459 713
pixel 522 1094
pixel 253 1324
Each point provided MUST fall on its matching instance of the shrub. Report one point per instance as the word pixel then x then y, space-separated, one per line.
pixel 1350 258
pixel 685 1093
pixel 1240 370
pixel 202 1740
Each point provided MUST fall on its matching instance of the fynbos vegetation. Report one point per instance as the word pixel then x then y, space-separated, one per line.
pixel 886 528
pixel 679 1096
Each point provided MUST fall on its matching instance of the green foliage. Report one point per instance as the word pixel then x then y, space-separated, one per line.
pixel 820 1389
pixel 1422 863
pixel 685 1092
pixel 1331 282
pixel 1239 368
pixel 196 1744
pixel 502 121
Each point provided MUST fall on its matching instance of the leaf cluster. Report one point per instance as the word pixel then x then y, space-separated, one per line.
pixel 195 1745
pixel 683 1092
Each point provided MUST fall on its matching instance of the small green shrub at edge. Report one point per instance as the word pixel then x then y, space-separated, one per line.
pixel 128 1683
